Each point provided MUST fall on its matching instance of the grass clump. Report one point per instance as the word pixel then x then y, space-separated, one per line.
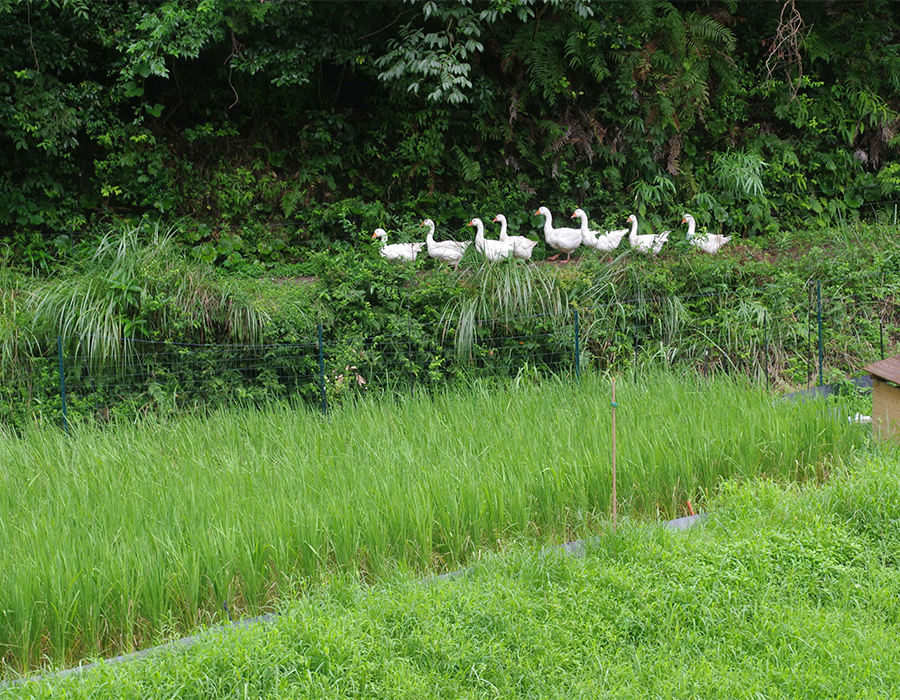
pixel 136 286
pixel 119 536
pixel 774 595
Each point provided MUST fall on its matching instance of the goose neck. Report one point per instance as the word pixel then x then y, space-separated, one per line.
pixel 582 217
pixel 548 222
pixel 479 232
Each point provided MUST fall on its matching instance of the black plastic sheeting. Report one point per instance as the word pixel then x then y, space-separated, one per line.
pixel 824 390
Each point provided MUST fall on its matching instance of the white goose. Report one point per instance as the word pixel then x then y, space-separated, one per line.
pixel 707 242
pixel 522 247
pixel 492 250
pixel 648 244
pixel 565 240
pixel 445 251
pixel 594 239
pixel 397 251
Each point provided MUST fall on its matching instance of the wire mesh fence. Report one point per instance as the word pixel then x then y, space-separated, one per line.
pixel 828 334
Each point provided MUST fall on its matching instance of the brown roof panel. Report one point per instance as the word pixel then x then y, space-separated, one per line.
pixel 887 369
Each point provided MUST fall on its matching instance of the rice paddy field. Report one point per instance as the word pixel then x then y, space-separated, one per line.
pixel 122 536
pixel 783 591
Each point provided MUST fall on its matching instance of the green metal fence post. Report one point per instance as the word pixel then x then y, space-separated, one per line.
pixel 806 354
pixel 62 383
pixel 322 372
pixel 577 349
pixel 819 311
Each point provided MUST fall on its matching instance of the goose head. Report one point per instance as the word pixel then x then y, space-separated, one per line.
pixel 548 218
pixel 689 220
pixel 379 233
pixel 479 227
pixel 500 219
pixel 579 214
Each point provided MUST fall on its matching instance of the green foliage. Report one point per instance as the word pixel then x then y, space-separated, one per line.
pixel 274 137
pixel 653 196
pixel 749 310
pixel 717 613
pixel 436 62
pixel 25 379
pixel 135 287
pixel 505 296
pixel 237 113
pixel 242 502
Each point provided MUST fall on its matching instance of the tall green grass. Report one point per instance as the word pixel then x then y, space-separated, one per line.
pixel 778 594
pixel 100 305
pixel 115 537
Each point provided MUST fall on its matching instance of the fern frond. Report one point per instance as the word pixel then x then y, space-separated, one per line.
pixel 468 167
pixel 290 202
pixel 574 49
pixel 542 54
pixel 709 31
pixel 645 10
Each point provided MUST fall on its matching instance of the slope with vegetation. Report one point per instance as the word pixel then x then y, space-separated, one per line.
pixel 142 328
pixel 196 181
pixel 269 139
pixel 271 128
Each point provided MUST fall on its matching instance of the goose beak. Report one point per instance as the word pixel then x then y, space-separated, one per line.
pixel 496 219
pixel 684 220
pixel 537 213
pixel 572 217
pixel 374 235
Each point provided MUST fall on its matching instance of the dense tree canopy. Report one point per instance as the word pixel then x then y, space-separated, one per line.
pixel 271 122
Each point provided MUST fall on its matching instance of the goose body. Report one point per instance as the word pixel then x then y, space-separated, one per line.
pixel 445 251
pixel 522 247
pixel 397 251
pixel 492 250
pixel 565 240
pixel 594 239
pixel 648 244
pixel 707 242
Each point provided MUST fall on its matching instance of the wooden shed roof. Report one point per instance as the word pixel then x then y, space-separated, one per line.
pixel 887 369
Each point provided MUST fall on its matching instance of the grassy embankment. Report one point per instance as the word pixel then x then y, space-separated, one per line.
pixel 119 537
pixel 751 309
pixel 783 592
